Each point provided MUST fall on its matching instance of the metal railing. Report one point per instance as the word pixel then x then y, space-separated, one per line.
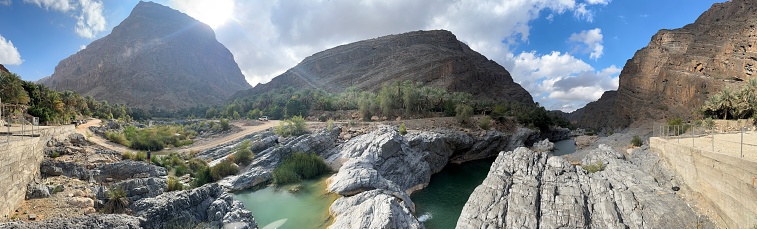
pixel 15 126
pixel 735 138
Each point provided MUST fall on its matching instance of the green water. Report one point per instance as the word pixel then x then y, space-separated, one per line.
pixel 439 205
pixel 279 208
pixel 564 147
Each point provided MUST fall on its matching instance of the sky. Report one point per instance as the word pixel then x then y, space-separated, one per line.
pixel 566 53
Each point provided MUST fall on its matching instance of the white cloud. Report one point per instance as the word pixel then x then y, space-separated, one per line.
pixel 88 14
pixel 593 41
pixel 56 5
pixel 90 20
pixel 8 53
pixel 598 2
pixel 5 2
pixel 82 47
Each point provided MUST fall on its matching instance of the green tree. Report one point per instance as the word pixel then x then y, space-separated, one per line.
pixel 463 113
pixel 12 89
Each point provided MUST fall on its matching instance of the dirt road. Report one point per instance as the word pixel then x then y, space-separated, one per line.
pixel 246 130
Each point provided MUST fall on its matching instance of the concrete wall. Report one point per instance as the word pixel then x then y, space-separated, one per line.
pixel 19 165
pixel 725 183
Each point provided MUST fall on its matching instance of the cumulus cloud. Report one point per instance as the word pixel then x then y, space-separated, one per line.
pixel 88 14
pixel 599 2
pixel 5 2
pixel 269 37
pixel 591 41
pixel 8 53
pixel 90 20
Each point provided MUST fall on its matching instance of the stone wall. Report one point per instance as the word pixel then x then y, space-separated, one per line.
pixel 19 165
pixel 725 183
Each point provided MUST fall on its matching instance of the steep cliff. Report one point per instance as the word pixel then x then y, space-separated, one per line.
pixel 680 68
pixel 435 58
pixel 156 58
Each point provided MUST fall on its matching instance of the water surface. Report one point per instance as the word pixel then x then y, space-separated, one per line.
pixel 279 208
pixel 564 147
pixel 439 205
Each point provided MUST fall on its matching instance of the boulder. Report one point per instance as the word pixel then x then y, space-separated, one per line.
pixel 207 204
pixel 543 146
pixel 36 190
pixel 375 209
pixel 135 189
pixel 527 189
pixel 51 167
pixel 127 169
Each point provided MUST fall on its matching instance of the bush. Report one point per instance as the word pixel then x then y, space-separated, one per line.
pixel 485 123
pixel 330 124
pixel 118 138
pixel 463 112
pixel 223 169
pixel 593 168
pixel 196 164
pixel 299 166
pixel 225 124
pixel 156 161
pixel 202 176
pixel 117 201
pixel 181 170
pixel 294 126
pixel 141 156
pixel 403 129
pixel 243 157
pixel 127 156
pixel 636 141
pixel 174 184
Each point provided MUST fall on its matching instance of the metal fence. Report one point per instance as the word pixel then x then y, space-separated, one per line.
pixel 16 126
pixel 734 138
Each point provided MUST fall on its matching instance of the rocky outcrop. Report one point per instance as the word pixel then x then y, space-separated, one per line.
pixel 598 114
pixel 378 170
pixel 156 58
pixel 135 189
pixel 259 171
pixel 679 69
pixel 208 204
pixel 260 141
pixel 86 222
pixel 526 189
pixel 36 190
pixel 435 58
pixel 127 169
pixel 52 167
pixel 543 146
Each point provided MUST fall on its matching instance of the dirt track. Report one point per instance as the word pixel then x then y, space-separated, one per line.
pixel 246 130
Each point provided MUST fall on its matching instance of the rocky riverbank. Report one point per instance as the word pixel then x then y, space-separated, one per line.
pixel 526 189
pixel 73 186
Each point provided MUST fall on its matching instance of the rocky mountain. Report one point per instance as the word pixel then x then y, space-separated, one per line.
pixel 435 58
pixel 3 69
pixel 156 58
pixel 680 68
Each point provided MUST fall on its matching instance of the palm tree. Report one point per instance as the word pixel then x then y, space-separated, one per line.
pixel 727 99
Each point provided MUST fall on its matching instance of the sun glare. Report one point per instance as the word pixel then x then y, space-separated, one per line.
pixel 214 13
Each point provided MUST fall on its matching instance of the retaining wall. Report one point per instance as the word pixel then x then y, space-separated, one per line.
pixel 19 165
pixel 724 182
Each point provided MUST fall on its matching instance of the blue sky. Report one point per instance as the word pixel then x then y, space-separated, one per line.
pixel 564 52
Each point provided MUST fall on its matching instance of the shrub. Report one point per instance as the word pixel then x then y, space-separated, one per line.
pixel 403 129
pixel 195 164
pixel 225 124
pixel 243 156
pixel 141 156
pixel 485 123
pixel 223 169
pixel 202 176
pixel 181 170
pixel 57 189
pixel 118 138
pixel 463 112
pixel 294 126
pixel 330 124
pixel 174 184
pixel 636 141
pixel 126 155
pixel 55 154
pixel 156 161
pixel 299 166
pixel 117 201
pixel 593 168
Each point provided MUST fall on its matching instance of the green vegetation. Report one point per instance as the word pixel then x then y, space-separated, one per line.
pixel 730 103
pixel 174 184
pixel 593 168
pixel 330 124
pixel 485 123
pixel 299 166
pixel 57 189
pixel 153 138
pixel 403 129
pixel 294 126
pixel 463 113
pixel 636 141
pixel 117 201
pixel 223 169
pixel 243 155
pixel 54 107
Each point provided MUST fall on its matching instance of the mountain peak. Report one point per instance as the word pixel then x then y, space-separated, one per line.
pixel 157 58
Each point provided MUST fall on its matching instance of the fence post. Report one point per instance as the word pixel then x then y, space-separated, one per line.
pixel 713 138
pixel 741 129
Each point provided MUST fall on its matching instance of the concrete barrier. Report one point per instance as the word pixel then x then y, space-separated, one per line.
pixel 19 165
pixel 725 183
